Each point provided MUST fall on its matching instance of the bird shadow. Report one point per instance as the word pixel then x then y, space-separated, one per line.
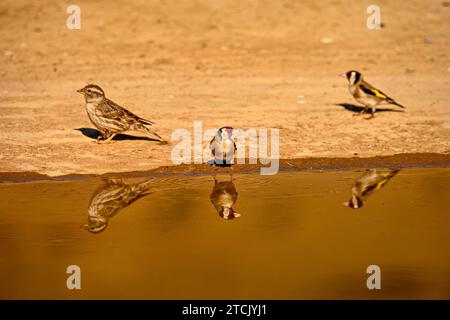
pixel 93 134
pixel 357 109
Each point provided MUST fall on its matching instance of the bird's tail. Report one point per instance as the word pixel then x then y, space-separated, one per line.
pixel 392 101
pixel 148 130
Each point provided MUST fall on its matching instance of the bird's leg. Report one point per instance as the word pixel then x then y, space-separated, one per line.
pixel 101 137
pixel 110 138
pixel 372 115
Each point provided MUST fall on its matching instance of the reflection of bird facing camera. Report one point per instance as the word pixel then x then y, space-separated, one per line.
pixel 223 197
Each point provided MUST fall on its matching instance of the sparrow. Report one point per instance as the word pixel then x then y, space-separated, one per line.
pixel 365 93
pixel 371 181
pixel 110 118
pixel 223 197
pixel 223 147
pixel 110 198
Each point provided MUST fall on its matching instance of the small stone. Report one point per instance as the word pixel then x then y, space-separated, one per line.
pixel 8 53
pixel 428 40
pixel 326 40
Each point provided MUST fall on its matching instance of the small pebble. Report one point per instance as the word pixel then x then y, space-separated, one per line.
pixel 326 40
pixel 428 40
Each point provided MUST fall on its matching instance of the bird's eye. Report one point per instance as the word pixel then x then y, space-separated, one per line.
pixel 89 90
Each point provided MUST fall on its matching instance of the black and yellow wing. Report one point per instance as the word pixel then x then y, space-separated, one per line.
pixel 371 91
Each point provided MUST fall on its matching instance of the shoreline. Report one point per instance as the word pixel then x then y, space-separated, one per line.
pixel 403 160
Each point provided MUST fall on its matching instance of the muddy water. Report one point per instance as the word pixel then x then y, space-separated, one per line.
pixel 287 236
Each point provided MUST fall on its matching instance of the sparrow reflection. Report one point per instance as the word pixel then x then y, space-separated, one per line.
pixel 110 198
pixel 371 181
pixel 223 197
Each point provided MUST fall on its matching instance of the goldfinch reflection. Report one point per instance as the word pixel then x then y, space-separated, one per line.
pixel 371 181
pixel 223 197
pixel 110 198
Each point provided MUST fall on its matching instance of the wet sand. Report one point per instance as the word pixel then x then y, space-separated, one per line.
pixel 294 239
pixel 415 160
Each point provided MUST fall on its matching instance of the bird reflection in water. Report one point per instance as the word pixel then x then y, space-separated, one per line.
pixel 371 181
pixel 223 197
pixel 110 198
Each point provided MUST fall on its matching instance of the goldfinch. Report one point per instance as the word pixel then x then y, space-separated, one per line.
pixel 371 181
pixel 365 93
pixel 223 197
pixel 223 147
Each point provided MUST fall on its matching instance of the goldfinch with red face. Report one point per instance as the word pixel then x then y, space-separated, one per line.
pixel 365 93
pixel 223 147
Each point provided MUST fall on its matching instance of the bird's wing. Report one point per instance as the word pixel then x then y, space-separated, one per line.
pixel 112 110
pixel 145 121
pixel 368 89
pixel 211 142
pixel 212 146
pixel 377 182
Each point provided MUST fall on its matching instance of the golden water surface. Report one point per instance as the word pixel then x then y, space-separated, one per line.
pixel 291 237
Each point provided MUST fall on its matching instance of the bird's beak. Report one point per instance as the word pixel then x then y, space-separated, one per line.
pixel 80 91
pixel 343 75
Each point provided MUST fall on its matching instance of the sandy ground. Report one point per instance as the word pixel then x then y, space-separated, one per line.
pixel 248 64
